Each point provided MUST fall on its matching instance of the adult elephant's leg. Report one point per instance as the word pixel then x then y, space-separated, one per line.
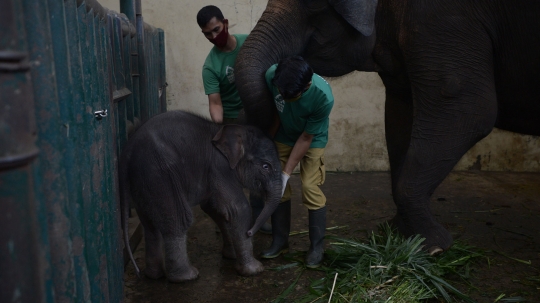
pixel 398 121
pixel 153 248
pixel 454 107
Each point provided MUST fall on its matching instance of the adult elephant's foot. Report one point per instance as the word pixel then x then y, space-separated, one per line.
pixel 184 274
pixel 249 269
pixel 437 238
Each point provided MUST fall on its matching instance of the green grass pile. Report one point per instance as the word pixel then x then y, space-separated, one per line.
pixel 388 268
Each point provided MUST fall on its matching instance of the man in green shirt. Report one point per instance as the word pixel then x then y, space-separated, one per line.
pixel 218 69
pixel 304 101
pixel 218 78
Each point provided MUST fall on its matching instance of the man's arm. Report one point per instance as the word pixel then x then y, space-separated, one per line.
pixel 216 107
pixel 298 152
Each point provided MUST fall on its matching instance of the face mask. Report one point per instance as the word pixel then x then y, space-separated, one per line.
pixel 221 39
pixel 293 99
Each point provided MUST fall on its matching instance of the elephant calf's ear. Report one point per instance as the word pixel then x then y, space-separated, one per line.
pixel 229 140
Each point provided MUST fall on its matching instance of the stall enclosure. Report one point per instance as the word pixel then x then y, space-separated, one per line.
pixel 75 80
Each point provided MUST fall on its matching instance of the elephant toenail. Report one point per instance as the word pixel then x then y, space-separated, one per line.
pixel 435 250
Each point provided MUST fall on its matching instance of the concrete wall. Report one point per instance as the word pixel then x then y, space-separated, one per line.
pixel 357 125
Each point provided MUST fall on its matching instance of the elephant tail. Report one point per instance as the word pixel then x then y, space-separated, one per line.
pixel 125 197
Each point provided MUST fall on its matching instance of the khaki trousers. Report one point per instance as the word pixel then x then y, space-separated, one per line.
pixel 312 174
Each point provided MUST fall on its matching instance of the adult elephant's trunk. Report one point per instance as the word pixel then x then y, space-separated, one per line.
pixel 280 32
pixel 271 203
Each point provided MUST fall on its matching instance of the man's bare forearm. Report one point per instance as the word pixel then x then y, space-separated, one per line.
pixel 215 107
pixel 298 152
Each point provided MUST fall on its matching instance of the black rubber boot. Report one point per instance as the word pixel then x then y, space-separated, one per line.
pixel 257 205
pixel 317 228
pixel 281 226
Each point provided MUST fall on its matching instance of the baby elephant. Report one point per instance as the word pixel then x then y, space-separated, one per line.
pixel 177 160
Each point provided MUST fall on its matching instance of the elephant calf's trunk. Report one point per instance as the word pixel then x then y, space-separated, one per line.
pixel 269 208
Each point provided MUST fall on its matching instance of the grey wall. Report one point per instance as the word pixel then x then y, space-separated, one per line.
pixel 357 126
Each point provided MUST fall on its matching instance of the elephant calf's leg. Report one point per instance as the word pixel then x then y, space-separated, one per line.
pixel 177 262
pixel 228 248
pixel 246 264
pixel 153 249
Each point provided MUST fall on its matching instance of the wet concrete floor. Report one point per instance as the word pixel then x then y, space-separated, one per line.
pixel 494 211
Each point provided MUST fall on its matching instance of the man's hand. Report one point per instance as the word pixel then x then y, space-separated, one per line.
pixel 216 107
pixel 284 178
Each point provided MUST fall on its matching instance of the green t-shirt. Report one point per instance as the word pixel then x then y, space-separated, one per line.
pixel 218 77
pixel 309 113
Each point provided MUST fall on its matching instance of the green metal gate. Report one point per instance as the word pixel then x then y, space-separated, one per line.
pixel 75 80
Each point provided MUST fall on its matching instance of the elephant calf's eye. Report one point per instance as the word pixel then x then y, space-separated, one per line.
pixel 266 166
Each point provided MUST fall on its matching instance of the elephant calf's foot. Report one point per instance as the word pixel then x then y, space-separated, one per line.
pixel 228 252
pixel 186 274
pixel 154 271
pixel 249 269
pixel 437 238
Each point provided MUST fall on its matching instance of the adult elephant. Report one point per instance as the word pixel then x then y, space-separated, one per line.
pixel 453 70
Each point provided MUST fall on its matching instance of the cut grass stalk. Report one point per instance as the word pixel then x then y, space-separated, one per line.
pixel 515 259
pixel 333 285
pixel 302 232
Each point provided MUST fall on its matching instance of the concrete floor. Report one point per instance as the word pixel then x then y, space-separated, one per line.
pixel 495 211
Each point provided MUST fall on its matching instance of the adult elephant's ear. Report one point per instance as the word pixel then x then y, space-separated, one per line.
pixel 359 13
pixel 230 142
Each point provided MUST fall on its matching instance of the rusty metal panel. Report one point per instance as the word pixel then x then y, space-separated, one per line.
pixel 113 235
pixel 22 271
pixel 131 123
pixel 21 268
pixel 121 92
pixel 93 222
pixel 145 107
pixel 65 280
pixel 105 190
pixel 51 182
pixel 17 127
pixel 162 72
pixel 80 118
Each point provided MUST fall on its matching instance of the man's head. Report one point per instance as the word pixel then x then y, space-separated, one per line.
pixel 292 77
pixel 213 25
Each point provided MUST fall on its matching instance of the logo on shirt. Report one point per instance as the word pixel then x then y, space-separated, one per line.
pixel 229 71
pixel 280 103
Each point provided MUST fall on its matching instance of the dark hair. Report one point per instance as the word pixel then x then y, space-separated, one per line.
pixel 292 76
pixel 207 13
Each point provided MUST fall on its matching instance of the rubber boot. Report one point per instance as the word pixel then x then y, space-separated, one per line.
pixel 317 228
pixel 281 226
pixel 257 205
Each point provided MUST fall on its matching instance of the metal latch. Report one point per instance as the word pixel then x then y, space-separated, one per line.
pixel 13 61
pixel 100 114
